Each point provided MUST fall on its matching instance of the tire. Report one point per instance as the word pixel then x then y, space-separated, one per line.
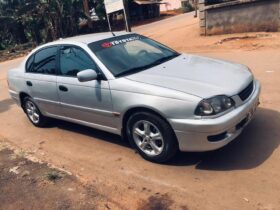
pixel 33 113
pixel 151 136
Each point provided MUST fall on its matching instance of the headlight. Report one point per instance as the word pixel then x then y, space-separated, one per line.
pixel 213 106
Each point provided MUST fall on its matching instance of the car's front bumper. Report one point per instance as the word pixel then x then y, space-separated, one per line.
pixel 210 134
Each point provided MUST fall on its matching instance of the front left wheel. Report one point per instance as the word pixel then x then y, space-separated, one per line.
pixel 152 136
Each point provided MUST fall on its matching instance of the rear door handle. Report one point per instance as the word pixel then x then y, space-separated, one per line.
pixel 63 88
pixel 28 83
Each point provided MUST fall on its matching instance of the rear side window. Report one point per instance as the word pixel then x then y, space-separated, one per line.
pixel 73 60
pixel 44 62
pixel 29 64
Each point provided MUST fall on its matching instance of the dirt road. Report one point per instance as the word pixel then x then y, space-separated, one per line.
pixel 25 184
pixel 243 175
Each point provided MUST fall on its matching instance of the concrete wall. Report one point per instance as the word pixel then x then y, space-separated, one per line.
pixel 170 5
pixel 240 16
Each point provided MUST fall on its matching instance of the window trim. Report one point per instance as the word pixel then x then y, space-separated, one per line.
pixel 36 52
pixel 26 63
pixel 99 71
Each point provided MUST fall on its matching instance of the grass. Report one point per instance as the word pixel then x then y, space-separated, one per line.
pixel 2 146
pixel 53 176
pixel 19 154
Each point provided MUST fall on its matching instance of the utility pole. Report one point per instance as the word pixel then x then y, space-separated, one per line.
pixel 109 24
pixel 126 15
pixel 195 8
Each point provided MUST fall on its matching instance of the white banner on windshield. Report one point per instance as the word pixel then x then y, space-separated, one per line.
pixel 113 5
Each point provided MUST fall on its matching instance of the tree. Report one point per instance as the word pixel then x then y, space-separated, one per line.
pixel 45 20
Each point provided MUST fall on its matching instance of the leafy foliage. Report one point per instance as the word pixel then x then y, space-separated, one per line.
pixel 38 21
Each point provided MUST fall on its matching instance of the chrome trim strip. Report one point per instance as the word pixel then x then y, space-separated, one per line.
pixel 13 92
pixel 46 101
pixel 87 109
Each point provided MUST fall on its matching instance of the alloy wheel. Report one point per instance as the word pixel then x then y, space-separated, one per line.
pixel 148 138
pixel 32 112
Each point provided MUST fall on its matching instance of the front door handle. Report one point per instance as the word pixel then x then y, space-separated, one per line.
pixel 28 83
pixel 63 88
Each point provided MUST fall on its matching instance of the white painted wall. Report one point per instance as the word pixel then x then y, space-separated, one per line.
pixel 170 5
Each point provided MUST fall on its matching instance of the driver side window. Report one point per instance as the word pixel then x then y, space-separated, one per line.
pixel 73 60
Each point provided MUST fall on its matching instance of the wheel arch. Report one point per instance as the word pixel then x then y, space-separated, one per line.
pixel 133 110
pixel 22 96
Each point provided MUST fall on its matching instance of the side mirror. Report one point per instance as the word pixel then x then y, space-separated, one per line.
pixel 87 75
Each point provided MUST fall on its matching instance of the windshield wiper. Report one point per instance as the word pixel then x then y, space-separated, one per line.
pixel 164 59
pixel 133 70
pixel 155 63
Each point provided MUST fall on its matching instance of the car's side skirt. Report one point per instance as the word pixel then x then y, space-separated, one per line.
pixel 92 125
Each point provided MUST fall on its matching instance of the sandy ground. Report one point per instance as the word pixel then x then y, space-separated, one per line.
pixel 243 175
pixel 28 185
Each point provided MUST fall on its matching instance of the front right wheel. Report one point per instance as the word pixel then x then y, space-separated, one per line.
pixel 152 136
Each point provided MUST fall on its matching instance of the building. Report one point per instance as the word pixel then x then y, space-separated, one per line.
pixel 238 16
pixel 144 9
pixel 170 5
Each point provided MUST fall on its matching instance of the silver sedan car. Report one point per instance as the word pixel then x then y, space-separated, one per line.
pixel 127 84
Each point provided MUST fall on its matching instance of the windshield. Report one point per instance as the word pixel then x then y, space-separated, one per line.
pixel 132 53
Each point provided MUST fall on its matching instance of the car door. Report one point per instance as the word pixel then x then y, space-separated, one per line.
pixel 40 79
pixel 83 101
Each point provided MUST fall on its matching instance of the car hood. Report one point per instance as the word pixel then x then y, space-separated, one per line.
pixel 196 75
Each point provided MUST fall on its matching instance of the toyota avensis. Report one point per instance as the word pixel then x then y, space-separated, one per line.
pixel 125 83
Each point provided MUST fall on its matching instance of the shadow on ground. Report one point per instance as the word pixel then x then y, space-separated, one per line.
pixel 253 147
pixel 6 104
pixel 91 132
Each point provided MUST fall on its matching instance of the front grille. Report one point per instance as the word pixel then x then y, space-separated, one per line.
pixel 244 94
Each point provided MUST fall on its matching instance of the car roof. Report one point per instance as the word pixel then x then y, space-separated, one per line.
pixel 83 39
pixel 89 38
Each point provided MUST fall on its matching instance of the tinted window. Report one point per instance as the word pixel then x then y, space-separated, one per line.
pixel 44 62
pixel 73 60
pixel 29 64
